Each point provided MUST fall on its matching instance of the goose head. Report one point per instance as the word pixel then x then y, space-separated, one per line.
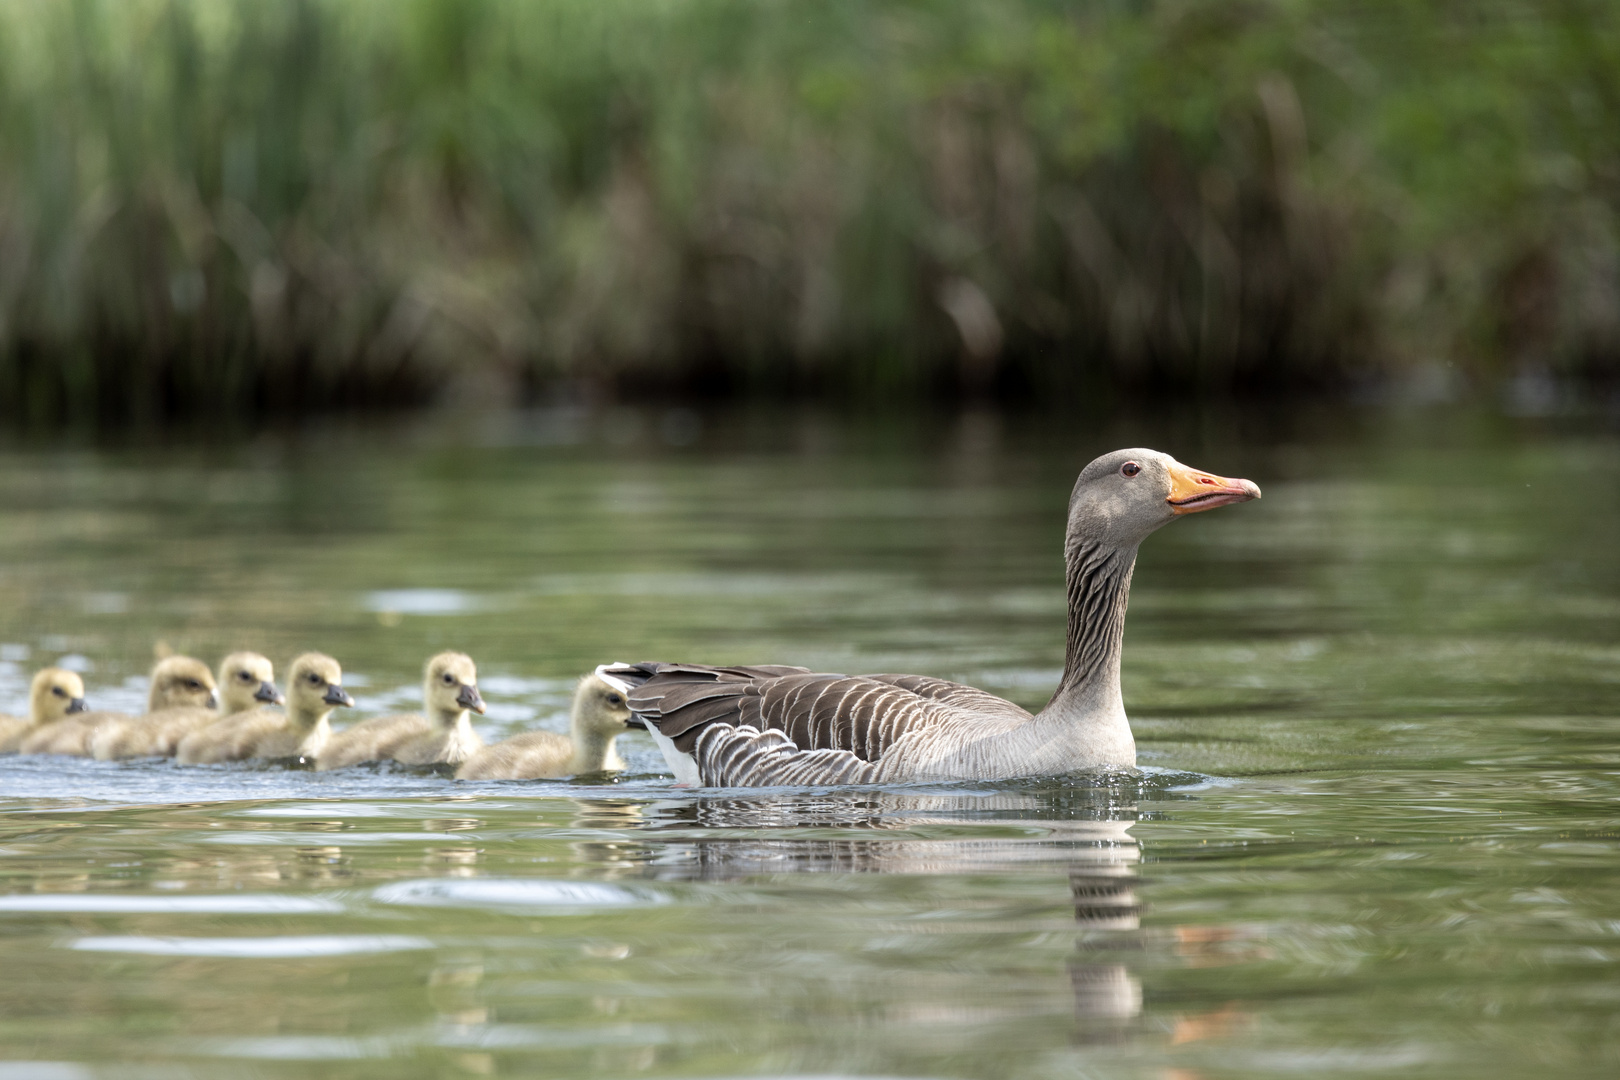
pixel 55 693
pixel 450 686
pixel 1122 497
pixel 600 709
pixel 315 686
pixel 180 681
pixel 247 681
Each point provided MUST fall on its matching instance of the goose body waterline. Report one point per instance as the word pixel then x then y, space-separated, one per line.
pixel 599 715
pixel 54 695
pixel 314 689
pixel 246 682
pixel 178 683
pixel 444 736
pixel 776 725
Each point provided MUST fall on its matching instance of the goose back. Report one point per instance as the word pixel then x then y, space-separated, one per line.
pixel 533 755
pixel 731 726
pixel 72 735
pixel 261 733
pixel 406 738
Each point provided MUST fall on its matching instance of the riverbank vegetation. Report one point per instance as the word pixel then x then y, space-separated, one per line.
pixel 221 207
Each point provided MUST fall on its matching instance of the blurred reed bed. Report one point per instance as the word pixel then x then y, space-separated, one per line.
pixel 226 208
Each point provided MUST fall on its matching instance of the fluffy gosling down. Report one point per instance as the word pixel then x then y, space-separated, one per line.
pixel 442 737
pixel 599 716
pixel 178 682
pixel 55 694
pixel 246 682
pixel 314 689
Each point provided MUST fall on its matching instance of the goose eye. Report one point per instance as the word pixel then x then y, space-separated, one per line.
pixel 58 691
pixel 244 676
pixel 1130 468
pixel 615 699
pixel 448 679
pixel 315 680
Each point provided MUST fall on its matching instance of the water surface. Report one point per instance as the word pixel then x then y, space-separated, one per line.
pixel 1375 832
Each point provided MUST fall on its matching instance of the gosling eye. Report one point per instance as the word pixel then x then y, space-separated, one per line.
pixel 193 684
pixel 314 680
pixel 1130 468
pixel 58 691
pixel 244 676
pixel 448 679
pixel 615 699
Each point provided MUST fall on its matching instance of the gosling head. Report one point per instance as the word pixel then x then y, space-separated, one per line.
pixel 599 708
pixel 450 685
pixel 55 693
pixel 315 685
pixel 247 681
pixel 1122 497
pixel 180 681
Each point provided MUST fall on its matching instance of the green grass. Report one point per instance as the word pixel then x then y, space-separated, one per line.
pixel 227 208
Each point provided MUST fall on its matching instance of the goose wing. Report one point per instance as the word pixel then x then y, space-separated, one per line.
pixel 753 726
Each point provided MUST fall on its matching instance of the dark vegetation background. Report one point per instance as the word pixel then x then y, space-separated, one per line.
pixel 219 208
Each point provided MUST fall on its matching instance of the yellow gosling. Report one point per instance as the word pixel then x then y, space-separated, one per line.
pixel 444 736
pixel 178 683
pixel 246 682
pixel 314 689
pixel 55 694
pixel 598 718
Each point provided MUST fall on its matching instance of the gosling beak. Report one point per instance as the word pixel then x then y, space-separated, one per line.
pixel 335 695
pixel 212 702
pixel 1192 491
pixel 469 699
pixel 77 705
pixel 268 694
pixel 637 723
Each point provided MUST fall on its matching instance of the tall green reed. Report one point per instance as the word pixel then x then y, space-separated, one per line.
pixel 221 207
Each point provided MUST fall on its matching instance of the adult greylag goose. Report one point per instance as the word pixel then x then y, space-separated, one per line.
pixel 55 694
pixel 598 717
pixel 444 736
pixel 758 726
pixel 314 689
pixel 246 682
pixel 178 683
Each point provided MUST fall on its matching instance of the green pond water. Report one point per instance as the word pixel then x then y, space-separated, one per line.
pixel 1375 831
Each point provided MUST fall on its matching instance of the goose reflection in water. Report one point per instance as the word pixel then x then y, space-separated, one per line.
pixel 1083 834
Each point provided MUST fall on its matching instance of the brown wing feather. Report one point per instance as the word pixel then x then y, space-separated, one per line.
pixel 863 715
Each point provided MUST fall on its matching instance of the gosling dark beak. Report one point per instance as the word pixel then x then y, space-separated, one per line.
pixel 77 705
pixel 469 699
pixel 268 694
pixel 335 695
pixel 212 702
pixel 637 723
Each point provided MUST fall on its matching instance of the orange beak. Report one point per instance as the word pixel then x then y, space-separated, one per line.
pixel 1192 491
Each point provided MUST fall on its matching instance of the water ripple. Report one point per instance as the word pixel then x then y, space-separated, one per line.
pixel 516 894
pixel 267 948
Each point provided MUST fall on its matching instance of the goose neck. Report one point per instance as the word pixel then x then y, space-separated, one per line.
pixel 449 719
pixel 593 748
pixel 306 719
pixel 1099 590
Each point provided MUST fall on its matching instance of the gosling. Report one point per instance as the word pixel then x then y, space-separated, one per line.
pixel 54 695
pixel 599 716
pixel 443 737
pixel 246 682
pixel 178 682
pixel 314 689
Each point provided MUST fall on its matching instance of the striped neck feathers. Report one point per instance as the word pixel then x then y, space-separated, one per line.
pixel 1099 588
